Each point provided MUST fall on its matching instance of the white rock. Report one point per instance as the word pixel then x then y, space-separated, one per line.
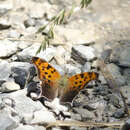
pixel 84 52
pixel 5 70
pixel 29 127
pixel 9 86
pixel 6 122
pixel 43 116
pixel 7 48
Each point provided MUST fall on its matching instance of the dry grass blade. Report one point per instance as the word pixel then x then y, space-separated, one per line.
pixel 60 123
pixel 112 83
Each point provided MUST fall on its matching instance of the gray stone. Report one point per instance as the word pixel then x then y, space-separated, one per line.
pixel 9 86
pixel 43 116
pixel 85 114
pixel 27 53
pixel 7 48
pixel 126 74
pixel 22 72
pixel 14 34
pixel 126 91
pixel 24 106
pixel 4 24
pixel 71 70
pixel 119 113
pixel 124 59
pixel 76 116
pixel 86 67
pixel 115 72
pixel 127 124
pixel 120 55
pixel 83 53
pixel 5 70
pixel 6 122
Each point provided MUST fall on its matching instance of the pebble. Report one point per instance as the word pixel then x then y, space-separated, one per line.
pixel 9 86
pixel 82 53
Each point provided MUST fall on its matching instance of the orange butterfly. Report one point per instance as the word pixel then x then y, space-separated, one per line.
pixel 54 85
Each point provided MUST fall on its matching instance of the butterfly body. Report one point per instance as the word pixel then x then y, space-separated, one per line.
pixel 54 85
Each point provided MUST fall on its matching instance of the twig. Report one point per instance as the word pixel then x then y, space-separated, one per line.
pixel 81 124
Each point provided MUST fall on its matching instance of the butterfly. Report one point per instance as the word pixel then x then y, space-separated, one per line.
pixel 54 85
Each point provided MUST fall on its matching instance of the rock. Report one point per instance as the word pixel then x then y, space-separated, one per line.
pixel 22 72
pixel 27 53
pixel 85 114
pixel 82 53
pixel 106 55
pixel 29 127
pixel 126 91
pixel 120 55
pixel 7 48
pixel 43 116
pixel 9 86
pixel 86 67
pixel 71 70
pixel 5 70
pixel 76 116
pixel 24 106
pixel 115 72
pixel 77 36
pixel 6 122
pixel 4 24
pixel 126 74
pixel 119 113
pixel 101 90
pixel 14 34
pixel 126 125
pixel 29 22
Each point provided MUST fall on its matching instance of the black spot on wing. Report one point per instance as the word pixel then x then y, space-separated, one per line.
pixel 46 72
pixel 82 75
pixel 48 67
pixel 49 76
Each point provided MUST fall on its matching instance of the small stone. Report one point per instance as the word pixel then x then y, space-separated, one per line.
pixel 4 24
pixel 29 22
pixel 7 48
pixel 119 113
pixel 13 34
pixel 83 53
pixel 43 116
pixel 115 72
pixel 71 70
pixel 126 74
pixel 9 86
pixel 29 127
pixel 86 67
pixel 6 122
pixel 85 114
pixel 76 116
pixel 5 70
pixel 27 53
pixel 22 72
pixel 126 125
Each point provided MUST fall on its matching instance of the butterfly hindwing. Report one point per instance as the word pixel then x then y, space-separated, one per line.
pixel 49 77
pixel 75 84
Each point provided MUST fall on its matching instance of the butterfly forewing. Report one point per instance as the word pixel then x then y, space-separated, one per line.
pixel 75 84
pixel 49 77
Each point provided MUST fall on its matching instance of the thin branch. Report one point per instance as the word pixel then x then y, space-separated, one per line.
pixel 81 124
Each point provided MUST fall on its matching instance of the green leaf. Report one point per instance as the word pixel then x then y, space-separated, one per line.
pixel 71 11
pixel 85 3
pixel 61 18
pixel 41 29
pixel 39 49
